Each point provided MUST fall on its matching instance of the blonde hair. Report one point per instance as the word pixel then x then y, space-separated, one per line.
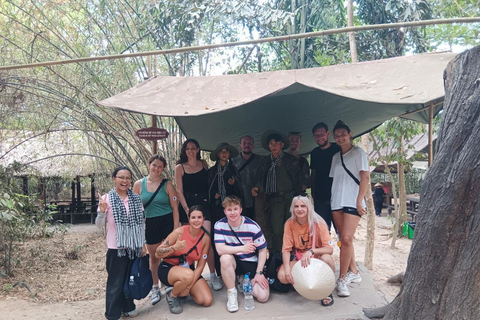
pixel 312 217
pixel 231 201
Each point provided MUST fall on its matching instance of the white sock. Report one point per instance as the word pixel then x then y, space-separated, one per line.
pixel 232 289
pixel 212 275
pixel 155 286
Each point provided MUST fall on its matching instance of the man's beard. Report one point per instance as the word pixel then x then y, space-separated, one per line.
pixel 247 152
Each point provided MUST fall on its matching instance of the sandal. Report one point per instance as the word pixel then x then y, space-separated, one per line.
pixel 329 303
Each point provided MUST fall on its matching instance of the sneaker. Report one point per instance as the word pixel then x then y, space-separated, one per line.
pixel 342 290
pixel 168 289
pixel 173 304
pixel 232 302
pixel 130 314
pixel 351 277
pixel 240 283
pixel 216 283
pixel 156 295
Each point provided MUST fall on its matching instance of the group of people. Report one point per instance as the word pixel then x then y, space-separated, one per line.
pixel 255 203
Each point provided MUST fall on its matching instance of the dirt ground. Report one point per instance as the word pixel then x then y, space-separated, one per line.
pixel 69 271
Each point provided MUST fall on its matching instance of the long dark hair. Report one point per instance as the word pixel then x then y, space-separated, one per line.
pixel 183 153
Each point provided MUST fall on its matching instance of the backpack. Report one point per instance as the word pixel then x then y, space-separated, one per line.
pixel 142 279
pixel 272 265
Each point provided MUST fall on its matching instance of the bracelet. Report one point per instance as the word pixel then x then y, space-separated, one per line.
pixel 311 251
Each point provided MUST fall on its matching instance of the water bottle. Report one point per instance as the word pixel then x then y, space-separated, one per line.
pixel 248 292
pixel 132 281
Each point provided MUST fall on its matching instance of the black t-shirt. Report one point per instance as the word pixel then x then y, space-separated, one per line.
pixel 321 161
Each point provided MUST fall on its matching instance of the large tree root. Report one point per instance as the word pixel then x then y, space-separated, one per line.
pixel 376 312
pixel 397 279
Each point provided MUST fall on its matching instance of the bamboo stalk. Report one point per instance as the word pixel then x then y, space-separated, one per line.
pixel 249 42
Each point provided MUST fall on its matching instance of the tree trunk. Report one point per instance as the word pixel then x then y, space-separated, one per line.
pixel 402 217
pixel 368 258
pixel 370 243
pixel 443 272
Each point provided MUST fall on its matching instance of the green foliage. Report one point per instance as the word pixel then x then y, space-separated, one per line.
pixel 20 219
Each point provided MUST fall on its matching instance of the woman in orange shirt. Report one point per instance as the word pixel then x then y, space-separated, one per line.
pixel 305 237
pixel 180 250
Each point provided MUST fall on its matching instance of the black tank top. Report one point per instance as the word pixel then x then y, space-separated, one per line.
pixel 195 182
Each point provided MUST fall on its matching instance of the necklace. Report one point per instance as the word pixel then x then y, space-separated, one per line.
pixel 153 180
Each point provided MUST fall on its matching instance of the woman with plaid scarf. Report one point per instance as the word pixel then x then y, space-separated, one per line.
pixel 122 212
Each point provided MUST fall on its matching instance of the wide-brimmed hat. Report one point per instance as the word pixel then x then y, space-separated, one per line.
pixel 223 145
pixel 315 282
pixel 267 133
pixel 378 184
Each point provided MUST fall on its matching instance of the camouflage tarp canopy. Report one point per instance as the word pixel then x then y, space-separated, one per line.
pixel 213 109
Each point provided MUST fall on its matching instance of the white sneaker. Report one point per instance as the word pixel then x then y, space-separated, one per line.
pixel 232 302
pixel 351 277
pixel 156 295
pixel 342 290
pixel 130 314
pixel 216 283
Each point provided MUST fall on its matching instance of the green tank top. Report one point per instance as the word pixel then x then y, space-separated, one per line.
pixel 160 205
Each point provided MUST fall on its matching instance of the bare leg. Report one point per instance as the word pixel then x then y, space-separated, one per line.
pixel 281 272
pixel 228 265
pixel 349 224
pixel 210 259
pixel 181 278
pixel 153 261
pixel 201 293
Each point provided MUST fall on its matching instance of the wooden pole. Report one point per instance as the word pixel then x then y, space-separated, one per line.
pixel 250 42
pixel 430 135
pixel 154 118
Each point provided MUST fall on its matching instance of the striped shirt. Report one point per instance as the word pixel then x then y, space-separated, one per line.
pixel 249 230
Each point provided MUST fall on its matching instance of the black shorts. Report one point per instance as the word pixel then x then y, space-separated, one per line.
pixel 349 210
pixel 194 200
pixel 163 270
pixel 158 228
pixel 244 267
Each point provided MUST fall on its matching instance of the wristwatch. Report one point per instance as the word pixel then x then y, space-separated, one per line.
pixel 259 272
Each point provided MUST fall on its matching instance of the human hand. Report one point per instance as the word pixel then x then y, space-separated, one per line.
pixel 231 181
pixel 305 262
pixel 249 247
pixel 102 204
pixel 217 196
pixel 255 191
pixel 288 275
pixel 261 280
pixel 360 208
pixel 180 244
pixel 144 250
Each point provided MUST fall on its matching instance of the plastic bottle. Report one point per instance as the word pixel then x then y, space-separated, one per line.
pixel 248 292
pixel 132 281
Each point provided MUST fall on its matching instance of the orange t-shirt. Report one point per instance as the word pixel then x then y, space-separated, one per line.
pixel 297 236
pixel 190 242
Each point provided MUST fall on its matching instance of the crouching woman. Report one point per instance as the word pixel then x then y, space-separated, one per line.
pixel 305 237
pixel 182 248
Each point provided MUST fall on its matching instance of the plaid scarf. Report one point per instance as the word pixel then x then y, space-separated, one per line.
pixel 130 230
pixel 221 182
pixel 271 185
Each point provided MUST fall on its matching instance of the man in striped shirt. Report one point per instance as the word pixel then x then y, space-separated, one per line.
pixel 243 249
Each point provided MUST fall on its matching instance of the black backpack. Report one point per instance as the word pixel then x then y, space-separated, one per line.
pixel 273 263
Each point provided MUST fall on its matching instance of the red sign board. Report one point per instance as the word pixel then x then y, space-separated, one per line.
pixel 152 133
